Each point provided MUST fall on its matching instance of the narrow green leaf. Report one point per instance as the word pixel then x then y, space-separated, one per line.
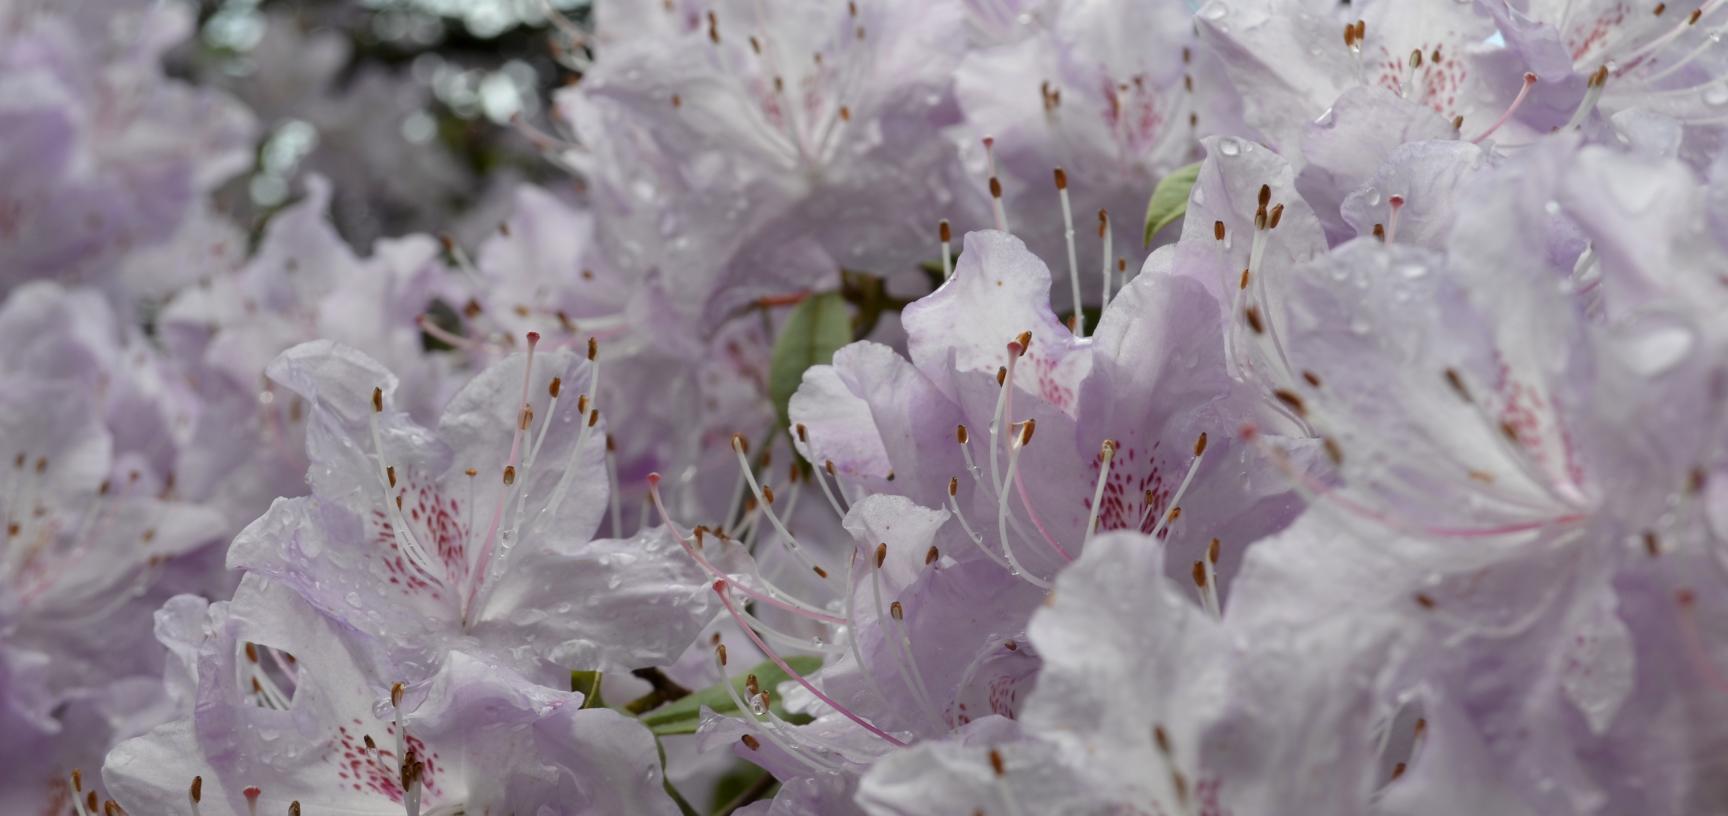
pixel 813 332
pixel 1170 199
pixel 682 717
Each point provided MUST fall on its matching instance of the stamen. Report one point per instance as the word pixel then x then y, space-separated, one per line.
pixel 1517 102
pixel 1073 259
pixel 907 669
pixel 195 793
pixel 851 632
pixel 816 763
pixel 1106 453
pixel 569 475
pixel 767 506
pixel 1104 236
pixel 483 563
pixel 614 501
pixel 1024 436
pixel 996 207
pixel 778 599
pixel 1396 205
pixel 405 539
pixel 720 587
pixel 1182 488
pixel 946 233
pixel 1592 94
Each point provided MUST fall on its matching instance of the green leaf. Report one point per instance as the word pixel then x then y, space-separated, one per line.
pixel 682 716
pixel 588 683
pixel 813 332
pixel 1170 199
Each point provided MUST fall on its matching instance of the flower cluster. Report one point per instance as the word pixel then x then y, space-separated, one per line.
pixel 884 407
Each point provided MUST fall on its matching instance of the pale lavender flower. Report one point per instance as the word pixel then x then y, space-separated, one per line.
pixel 1147 703
pixel 476 536
pixel 289 715
pixel 103 154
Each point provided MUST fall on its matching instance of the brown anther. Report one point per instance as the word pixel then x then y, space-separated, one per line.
pixel 196 792
pixel 820 572
pixel 1260 219
pixel 720 653
pixel 828 465
pixel 1458 122
pixel 1199 573
pixel 1252 315
pixel 1024 339
pixel 1218 230
pixel 881 554
pixel 1424 600
pixel 593 417
pixel 91 800
pixel 1509 432
pixel 581 403
pixel 932 556
pixel 1277 215
pixel 750 742
pixel 845 114
pixel 294 808
pixel 1161 738
pixel 555 386
pixel 1416 58
pixel 378 400
pixel 1213 550
pixel 1692 20
pixel 1061 179
pixel 77 780
pixel 953 486
pixel 1026 429
pixel 1243 284
pixel 396 692
pixel 713 28
pixel 1349 35
pixel 1397 770
pixel 1200 444
pixel 1695 480
pixel 995 187
pixel 1103 222
pixel 1661 7
pixel 1421 726
pixel 1001 375
pixel 943 231
pixel 527 417
pixel 593 348
pixel 1175 513
pixel 996 763
pixel 371 745
pixel 677 101
pixel 1108 449
pixel 1361 30
pixel 471 472
pixel 1311 378
pixel 895 610
pixel 1651 545
pixel 767 494
pixel 1291 400
pixel 960 434
pixel 1380 232
pixel 802 432
pixel 509 474
pixel 1180 782
pixel 1454 379
pixel 252 652
pixel 1333 452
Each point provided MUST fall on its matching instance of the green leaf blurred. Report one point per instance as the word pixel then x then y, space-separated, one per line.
pixel 1170 199
pixel 682 716
pixel 813 332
